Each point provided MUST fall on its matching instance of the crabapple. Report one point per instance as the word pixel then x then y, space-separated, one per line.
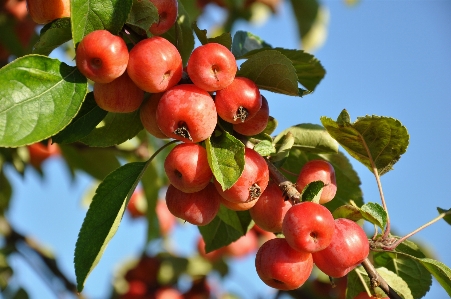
pixel 239 101
pixel 318 170
pixel 308 226
pixel 280 266
pixel 252 182
pixel 155 64
pixel 212 67
pixel 270 209
pixel 348 248
pixel 102 56
pixel 256 124
pixel 137 205
pixel 167 15
pixel 212 256
pixel 186 112
pixel 40 152
pixel 187 167
pixel 364 295
pixel 237 206
pixel 243 246
pixel 16 8
pixel 198 208
pixel 45 11
pixel 120 95
pixel 148 115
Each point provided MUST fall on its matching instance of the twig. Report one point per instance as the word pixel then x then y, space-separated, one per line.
pixel 377 281
pixel 288 188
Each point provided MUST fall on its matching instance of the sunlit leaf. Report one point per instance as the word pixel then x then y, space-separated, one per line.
pixel 377 139
pixel 375 214
pixel 39 96
pixel 143 14
pixel 244 42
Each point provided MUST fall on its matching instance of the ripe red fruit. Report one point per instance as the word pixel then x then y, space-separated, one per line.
pixel 348 248
pixel 308 226
pixel 252 182
pixel 120 95
pixel 212 256
pixel 137 205
pixel 212 67
pixel 45 11
pixel 186 112
pixel 318 170
pixel 167 293
pixel 364 295
pixel 167 15
pixel 187 167
pixel 238 102
pixel 40 152
pixel 198 208
pixel 155 64
pixel 16 8
pixel 237 206
pixel 256 124
pixel 281 267
pixel 270 209
pixel 166 220
pixel 148 115
pixel 102 56
pixel 243 246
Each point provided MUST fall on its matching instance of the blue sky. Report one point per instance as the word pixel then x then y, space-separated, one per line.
pixel 386 58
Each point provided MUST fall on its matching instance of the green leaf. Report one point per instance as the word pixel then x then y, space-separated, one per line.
pixel 89 116
pixel 375 214
pixel 271 70
pixel 143 14
pixel 271 126
pixel 39 96
pixel 265 148
pixel 310 137
pixel 284 145
pixel 385 138
pixel 91 15
pixel 440 271
pixel 244 42
pixel 227 227
pixel 226 158
pixel 52 36
pixel 347 211
pixel 103 217
pixel 347 178
pixel 181 35
pixel 224 39
pixel 312 192
pixel 5 192
pixel 305 12
pixel 97 162
pixel 116 128
pixel 447 217
pixel 192 9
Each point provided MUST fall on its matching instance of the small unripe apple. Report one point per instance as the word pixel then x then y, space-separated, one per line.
pixel 280 266
pixel 318 170
pixel 348 248
pixel 167 15
pixel 45 11
pixel 155 64
pixel 120 95
pixel 102 56
pixel 270 209
pixel 198 208
pixel 187 167
pixel 148 115
pixel 308 226
pixel 186 112
pixel 212 67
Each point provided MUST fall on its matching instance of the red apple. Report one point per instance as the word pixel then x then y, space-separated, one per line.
pixel 348 248
pixel 237 206
pixel 120 95
pixel 45 11
pixel 318 170
pixel 40 152
pixel 270 209
pixel 167 15
pixel 308 226
pixel 16 8
pixel 238 102
pixel 198 208
pixel 212 67
pixel 252 182
pixel 102 56
pixel 155 64
pixel 166 220
pixel 137 205
pixel 256 124
pixel 167 293
pixel 280 266
pixel 187 167
pixel 148 115
pixel 243 246
pixel 186 112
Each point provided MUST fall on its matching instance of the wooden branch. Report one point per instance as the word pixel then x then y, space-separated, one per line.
pixel 377 281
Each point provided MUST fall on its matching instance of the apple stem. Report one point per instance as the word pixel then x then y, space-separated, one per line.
pixel 288 188
pixel 377 281
pixel 379 186
pixel 400 240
